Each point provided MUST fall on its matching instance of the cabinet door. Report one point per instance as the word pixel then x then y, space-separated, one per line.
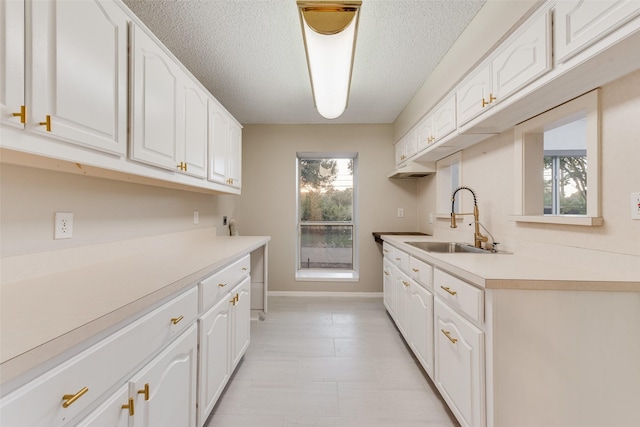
pixel 241 323
pixel 155 127
pixel 474 94
pixel 12 62
pixel 218 143
pixel 235 155
pixel 111 413
pixel 421 326
pixel 523 58
pixel 388 286
pixel 164 390
pixel 425 133
pixel 444 118
pixel 410 144
pixel 403 284
pixel 578 24
pixel 214 355
pixel 400 152
pixel 195 129
pixel 79 73
pixel 459 365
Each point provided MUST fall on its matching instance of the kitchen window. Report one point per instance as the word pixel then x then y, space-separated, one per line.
pixel 326 212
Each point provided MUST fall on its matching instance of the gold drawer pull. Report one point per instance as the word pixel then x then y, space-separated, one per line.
pixel 237 297
pixel 448 289
pixel 176 320
pixel 416 269
pixel 244 268
pixel 46 123
pixel 386 273
pixel 406 283
pixel 22 114
pixel 233 301
pixel 129 407
pixel 222 285
pixel 145 391
pixel 398 259
pixel 182 166
pixel 70 398
pixel 491 98
pixel 448 335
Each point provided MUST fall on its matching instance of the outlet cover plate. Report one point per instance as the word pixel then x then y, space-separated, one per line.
pixel 63 225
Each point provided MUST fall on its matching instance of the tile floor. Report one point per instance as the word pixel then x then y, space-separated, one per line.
pixel 329 361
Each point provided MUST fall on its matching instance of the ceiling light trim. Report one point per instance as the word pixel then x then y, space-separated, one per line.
pixel 330 50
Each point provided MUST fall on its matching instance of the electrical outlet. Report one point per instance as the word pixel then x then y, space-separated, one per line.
pixel 63 225
pixel 224 220
pixel 430 217
pixel 635 205
pixel 196 217
pixel 400 213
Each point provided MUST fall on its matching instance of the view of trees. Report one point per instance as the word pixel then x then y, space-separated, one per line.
pixel 572 176
pixel 320 200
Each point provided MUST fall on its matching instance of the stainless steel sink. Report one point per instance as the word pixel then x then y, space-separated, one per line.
pixel 448 247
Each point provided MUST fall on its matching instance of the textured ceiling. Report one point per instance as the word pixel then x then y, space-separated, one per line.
pixel 249 53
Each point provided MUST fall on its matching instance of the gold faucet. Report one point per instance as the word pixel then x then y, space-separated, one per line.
pixel 478 238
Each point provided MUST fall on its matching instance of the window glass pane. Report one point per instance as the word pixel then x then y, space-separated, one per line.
pixel 326 246
pixel 326 226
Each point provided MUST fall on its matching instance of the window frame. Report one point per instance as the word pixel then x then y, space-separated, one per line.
pixel 528 185
pixel 325 274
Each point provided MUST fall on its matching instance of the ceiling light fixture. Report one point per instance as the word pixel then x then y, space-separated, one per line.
pixel 329 31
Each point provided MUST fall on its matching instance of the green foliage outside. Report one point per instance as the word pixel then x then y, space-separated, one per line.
pixel 573 174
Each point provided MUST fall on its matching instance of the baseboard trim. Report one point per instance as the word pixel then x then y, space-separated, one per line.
pixel 323 294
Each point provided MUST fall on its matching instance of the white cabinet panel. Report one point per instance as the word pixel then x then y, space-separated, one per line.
pixel 12 62
pixel 195 129
pixel 581 23
pixel 241 321
pixel 214 356
pixel 444 118
pixel 459 365
pixel 79 73
pixel 235 154
pixel 523 58
pixel 155 127
pixel 421 326
pixel 225 147
pixel 459 294
pixel 111 413
pixel 474 94
pixel 165 389
pixel 388 286
pixel 402 295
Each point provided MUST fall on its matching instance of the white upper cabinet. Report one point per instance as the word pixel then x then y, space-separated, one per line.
pixel 77 89
pixel 580 23
pixel 12 106
pixel 474 95
pixel 225 147
pixel 444 118
pixel 523 58
pixel 195 138
pixel 155 127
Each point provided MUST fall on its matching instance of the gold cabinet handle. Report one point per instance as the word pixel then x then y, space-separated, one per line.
pixel 70 398
pixel 448 335
pixel 145 391
pixel 386 273
pixel 233 301
pixel 182 166
pixel 244 268
pixel 416 270
pixel 176 320
pixel 491 98
pixel 385 251
pixel 398 259
pixel 222 285
pixel 406 283
pixel 130 407
pixel 484 103
pixel 46 123
pixel 230 181
pixel 448 289
pixel 22 114
pixel 237 297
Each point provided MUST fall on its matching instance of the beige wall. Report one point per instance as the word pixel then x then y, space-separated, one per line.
pixel 104 210
pixel 489 166
pixel 268 207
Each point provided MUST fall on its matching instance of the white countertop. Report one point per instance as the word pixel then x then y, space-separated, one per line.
pixel 536 266
pixel 48 313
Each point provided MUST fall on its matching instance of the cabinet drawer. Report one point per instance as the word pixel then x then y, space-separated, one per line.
pixel 401 260
pixel 388 251
pixel 98 368
pixel 215 286
pixel 421 272
pixel 459 294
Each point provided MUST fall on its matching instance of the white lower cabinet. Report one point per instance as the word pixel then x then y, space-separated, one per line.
pixel 224 332
pixel 421 326
pixel 388 286
pixel 112 412
pixel 403 283
pixel 164 391
pixel 459 369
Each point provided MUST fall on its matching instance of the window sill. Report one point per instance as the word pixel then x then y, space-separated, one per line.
pixel 588 221
pixel 327 276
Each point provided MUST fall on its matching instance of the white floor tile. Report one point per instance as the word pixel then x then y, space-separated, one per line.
pixel 329 361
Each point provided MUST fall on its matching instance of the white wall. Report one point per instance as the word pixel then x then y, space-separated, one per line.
pixel 104 210
pixel 268 207
pixel 489 167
